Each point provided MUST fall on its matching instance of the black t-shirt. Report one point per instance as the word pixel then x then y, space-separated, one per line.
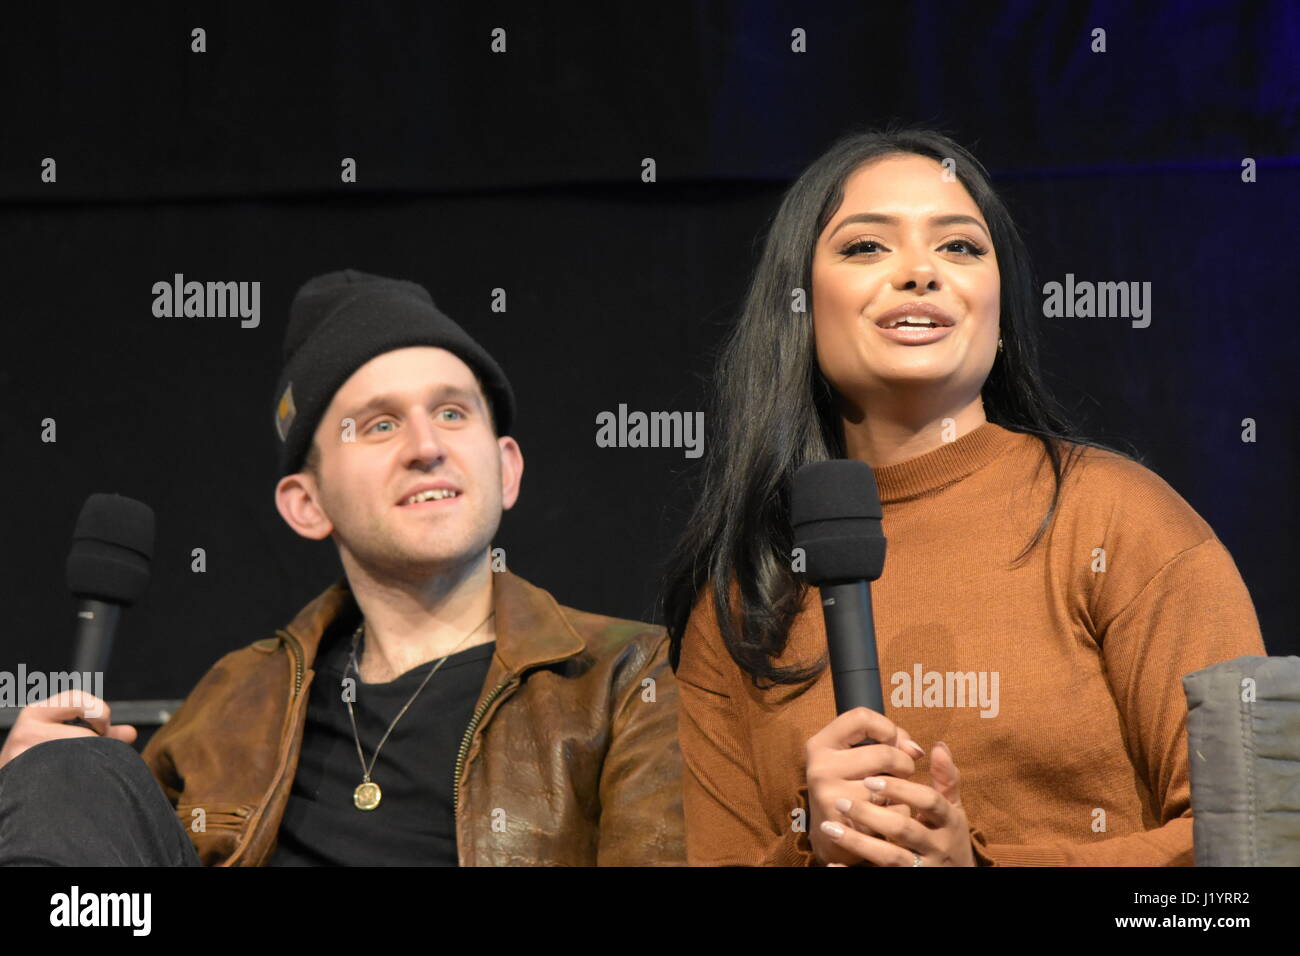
pixel 414 824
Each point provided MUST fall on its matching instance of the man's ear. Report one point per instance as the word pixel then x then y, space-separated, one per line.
pixel 296 498
pixel 512 471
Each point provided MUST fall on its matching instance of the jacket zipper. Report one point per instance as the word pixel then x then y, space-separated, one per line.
pixel 469 736
pixel 297 662
pixel 295 649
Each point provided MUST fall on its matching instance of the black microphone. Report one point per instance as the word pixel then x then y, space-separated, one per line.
pixel 835 513
pixel 108 569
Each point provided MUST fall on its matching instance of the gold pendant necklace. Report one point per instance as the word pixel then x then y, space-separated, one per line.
pixel 367 795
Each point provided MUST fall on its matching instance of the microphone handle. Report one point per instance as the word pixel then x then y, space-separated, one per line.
pixel 96 622
pixel 851 641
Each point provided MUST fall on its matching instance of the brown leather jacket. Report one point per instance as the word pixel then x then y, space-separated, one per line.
pixel 570 757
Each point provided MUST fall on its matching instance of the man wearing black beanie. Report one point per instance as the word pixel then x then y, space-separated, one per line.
pixel 430 707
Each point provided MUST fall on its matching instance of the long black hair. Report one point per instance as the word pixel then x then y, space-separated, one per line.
pixel 772 410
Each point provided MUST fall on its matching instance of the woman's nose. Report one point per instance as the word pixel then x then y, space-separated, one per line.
pixel 915 270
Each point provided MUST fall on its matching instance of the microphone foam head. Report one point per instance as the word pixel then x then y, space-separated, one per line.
pixel 112 546
pixel 835 513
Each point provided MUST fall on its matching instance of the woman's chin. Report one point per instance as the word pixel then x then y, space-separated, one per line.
pixel 916 375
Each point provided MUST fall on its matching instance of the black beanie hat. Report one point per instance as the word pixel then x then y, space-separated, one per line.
pixel 340 321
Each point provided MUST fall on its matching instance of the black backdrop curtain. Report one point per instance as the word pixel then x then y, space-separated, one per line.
pixel 522 171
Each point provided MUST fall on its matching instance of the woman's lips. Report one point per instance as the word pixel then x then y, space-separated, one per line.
pixel 915 335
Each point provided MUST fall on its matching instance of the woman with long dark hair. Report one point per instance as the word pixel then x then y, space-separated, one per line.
pixel 1042 594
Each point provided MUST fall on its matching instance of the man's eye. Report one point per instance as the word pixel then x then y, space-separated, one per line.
pixel 377 424
pixel 452 411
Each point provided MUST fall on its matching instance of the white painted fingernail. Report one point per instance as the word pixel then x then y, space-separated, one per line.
pixel 875 783
pixel 916 748
pixel 833 829
pixel 843 805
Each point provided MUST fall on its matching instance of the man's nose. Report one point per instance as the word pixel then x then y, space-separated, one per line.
pixel 423 443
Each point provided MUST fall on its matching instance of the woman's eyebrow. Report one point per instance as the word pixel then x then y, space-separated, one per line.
pixel 952 219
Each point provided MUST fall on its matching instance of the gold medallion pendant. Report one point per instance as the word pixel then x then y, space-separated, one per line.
pixel 367 795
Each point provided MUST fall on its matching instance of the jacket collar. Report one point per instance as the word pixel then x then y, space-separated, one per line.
pixel 530 628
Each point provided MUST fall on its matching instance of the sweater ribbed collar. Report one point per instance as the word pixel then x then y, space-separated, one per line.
pixel 949 463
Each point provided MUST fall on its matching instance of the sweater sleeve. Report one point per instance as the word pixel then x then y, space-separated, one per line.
pixel 725 821
pixel 1194 612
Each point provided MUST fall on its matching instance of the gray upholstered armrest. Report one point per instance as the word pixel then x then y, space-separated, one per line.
pixel 1243 737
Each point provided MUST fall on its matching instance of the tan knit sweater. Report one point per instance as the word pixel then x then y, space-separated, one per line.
pixel 1056 684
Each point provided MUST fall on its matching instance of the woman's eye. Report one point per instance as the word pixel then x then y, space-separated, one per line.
pixel 858 247
pixel 974 249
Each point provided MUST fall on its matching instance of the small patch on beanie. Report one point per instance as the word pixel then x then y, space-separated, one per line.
pixel 284 413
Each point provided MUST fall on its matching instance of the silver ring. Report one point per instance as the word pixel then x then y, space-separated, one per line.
pixel 916 860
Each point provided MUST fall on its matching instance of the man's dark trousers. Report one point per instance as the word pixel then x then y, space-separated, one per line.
pixel 87 801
